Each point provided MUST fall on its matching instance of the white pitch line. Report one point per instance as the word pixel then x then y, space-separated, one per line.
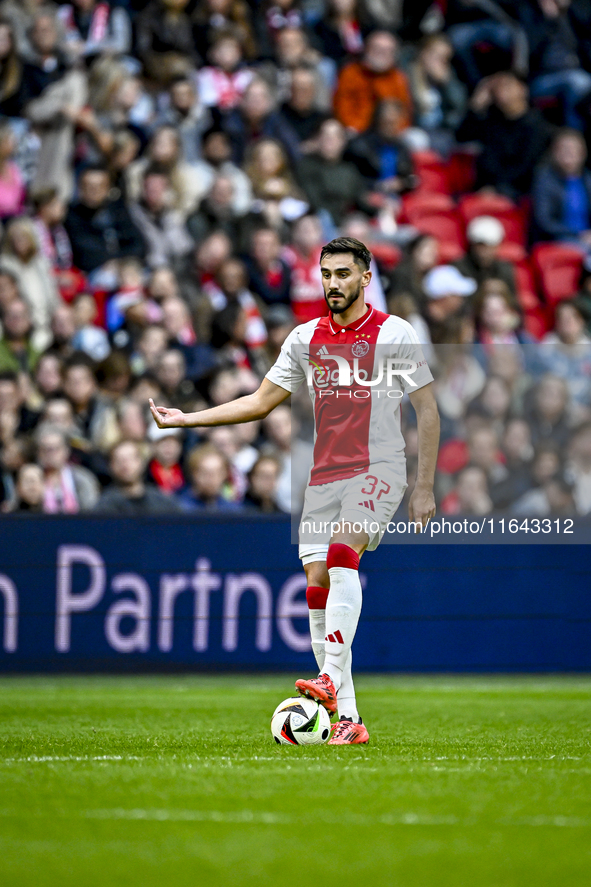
pixel 155 815
pixel 50 759
pixel 257 817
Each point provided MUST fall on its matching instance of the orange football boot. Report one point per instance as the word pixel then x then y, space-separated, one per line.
pixel 347 732
pixel 321 689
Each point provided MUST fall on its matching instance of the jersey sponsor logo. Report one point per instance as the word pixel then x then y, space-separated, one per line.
pixel 320 376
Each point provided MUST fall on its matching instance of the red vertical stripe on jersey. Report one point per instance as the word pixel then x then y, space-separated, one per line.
pixel 343 418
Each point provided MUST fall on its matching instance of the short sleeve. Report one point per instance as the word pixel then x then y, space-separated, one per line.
pixel 287 371
pixel 411 350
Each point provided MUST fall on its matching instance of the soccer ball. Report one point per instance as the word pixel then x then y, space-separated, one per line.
pixel 299 721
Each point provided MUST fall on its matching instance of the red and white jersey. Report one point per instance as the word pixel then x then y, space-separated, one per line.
pixel 356 376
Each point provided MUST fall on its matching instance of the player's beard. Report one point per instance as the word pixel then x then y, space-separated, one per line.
pixel 340 309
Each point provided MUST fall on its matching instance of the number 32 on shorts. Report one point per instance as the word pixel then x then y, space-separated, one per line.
pixel 372 483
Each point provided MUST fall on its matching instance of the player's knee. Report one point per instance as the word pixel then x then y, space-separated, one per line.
pixel 317 574
pixel 357 541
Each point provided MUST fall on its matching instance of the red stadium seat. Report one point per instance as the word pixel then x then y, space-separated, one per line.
pixel 461 172
pixel 536 323
pixel 432 171
pixel 386 255
pixel 420 202
pixel 472 205
pixel 446 227
pixel 526 285
pixel 558 267
pixel 535 315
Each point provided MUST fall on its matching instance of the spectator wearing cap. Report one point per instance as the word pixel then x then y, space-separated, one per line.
pixel 129 495
pixel 481 262
pixel 561 196
pixel 164 468
pixel 446 290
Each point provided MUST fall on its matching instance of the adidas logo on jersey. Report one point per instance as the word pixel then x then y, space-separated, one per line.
pixel 369 504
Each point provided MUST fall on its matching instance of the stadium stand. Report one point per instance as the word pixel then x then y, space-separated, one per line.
pixel 169 171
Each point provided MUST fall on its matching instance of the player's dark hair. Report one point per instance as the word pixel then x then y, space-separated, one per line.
pixel 358 250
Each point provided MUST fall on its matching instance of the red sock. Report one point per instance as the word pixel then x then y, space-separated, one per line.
pixel 316 597
pixel 341 555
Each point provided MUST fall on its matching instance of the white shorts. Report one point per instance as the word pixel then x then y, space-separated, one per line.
pixel 367 501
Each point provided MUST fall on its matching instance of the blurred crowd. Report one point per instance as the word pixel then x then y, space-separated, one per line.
pixel 169 171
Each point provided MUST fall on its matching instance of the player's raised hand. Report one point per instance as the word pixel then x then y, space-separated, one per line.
pixel 165 417
pixel 421 507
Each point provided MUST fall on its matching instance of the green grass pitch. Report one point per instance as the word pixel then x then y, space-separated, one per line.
pixel 154 781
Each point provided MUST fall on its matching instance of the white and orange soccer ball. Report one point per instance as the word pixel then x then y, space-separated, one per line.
pixel 299 721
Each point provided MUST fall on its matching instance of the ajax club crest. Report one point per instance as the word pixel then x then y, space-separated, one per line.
pixel 360 348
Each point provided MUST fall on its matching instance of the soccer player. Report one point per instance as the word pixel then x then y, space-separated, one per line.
pixel 357 363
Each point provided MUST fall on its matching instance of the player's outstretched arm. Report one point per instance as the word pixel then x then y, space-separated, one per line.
pixel 421 507
pixel 243 409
